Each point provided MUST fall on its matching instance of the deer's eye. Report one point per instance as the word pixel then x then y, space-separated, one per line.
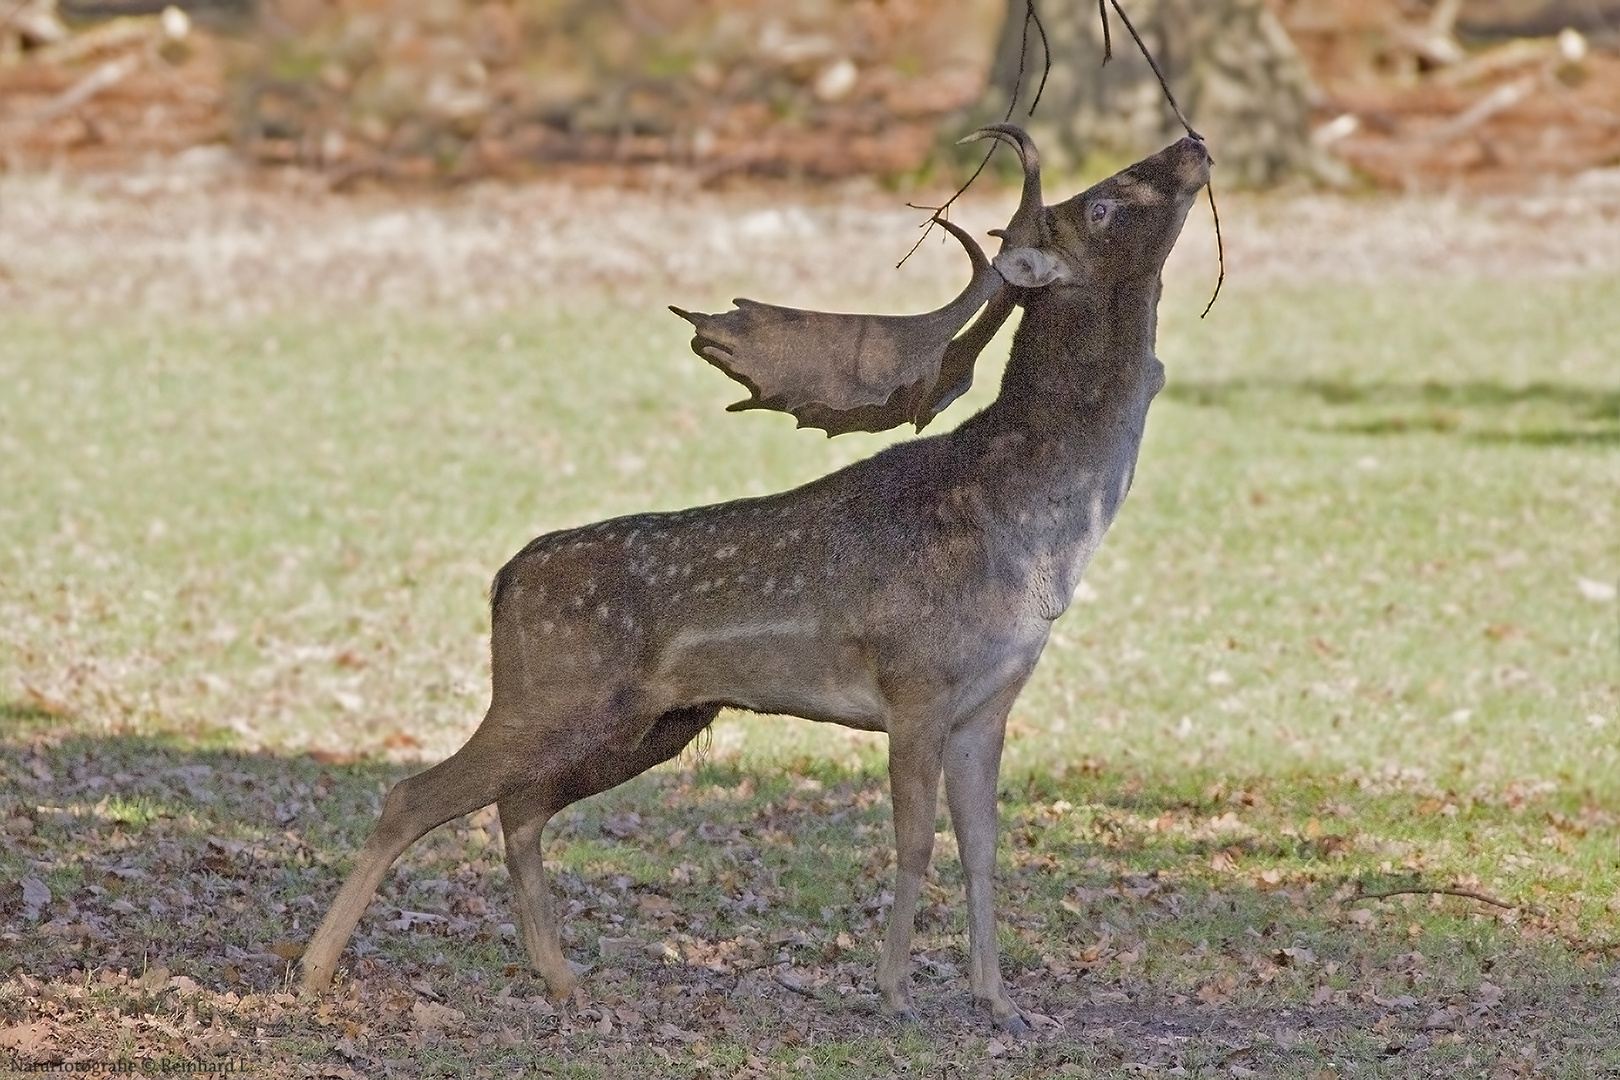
pixel 1101 213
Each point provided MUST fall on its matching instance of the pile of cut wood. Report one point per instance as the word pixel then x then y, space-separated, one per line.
pixel 1480 94
pixel 105 93
pixel 1414 94
pixel 454 89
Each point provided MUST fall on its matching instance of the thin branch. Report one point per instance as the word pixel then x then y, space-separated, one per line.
pixel 1154 64
pixel 938 212
pixel 745 969
pixel 800 990
pixel 1023 54
pixel 1220 250
pixel 1046 53
pixel 1467 894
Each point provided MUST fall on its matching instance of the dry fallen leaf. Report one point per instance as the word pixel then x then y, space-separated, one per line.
pixel 26 1039
pixel 431 1015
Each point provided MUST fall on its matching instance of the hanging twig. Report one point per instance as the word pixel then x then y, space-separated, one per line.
pixel 1046 53
pixel 937 212
pixel 1164 84
pixel 1220 250
pixel 1154 64
pixel 1032 17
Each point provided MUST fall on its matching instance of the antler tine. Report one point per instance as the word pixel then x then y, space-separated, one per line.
pixel 1024 229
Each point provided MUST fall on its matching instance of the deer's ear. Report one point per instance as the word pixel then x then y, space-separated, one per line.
pixel 1030 268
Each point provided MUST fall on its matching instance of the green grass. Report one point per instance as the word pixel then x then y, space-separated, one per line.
pixel 1337 644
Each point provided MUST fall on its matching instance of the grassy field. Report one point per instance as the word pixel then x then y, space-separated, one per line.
pixel 1355 633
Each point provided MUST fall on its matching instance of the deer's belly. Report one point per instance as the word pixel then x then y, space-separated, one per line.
pixel 802 667
pixel 787 666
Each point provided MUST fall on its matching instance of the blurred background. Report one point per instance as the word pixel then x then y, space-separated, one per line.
pixel 1408 94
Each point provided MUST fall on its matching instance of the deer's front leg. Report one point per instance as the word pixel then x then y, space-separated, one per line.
pixel 914 765
pixel 972 765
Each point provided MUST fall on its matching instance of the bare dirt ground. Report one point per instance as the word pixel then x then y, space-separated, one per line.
pixel 196 238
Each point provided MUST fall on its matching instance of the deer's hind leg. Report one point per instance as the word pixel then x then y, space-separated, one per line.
pixel 524 814
pixel 471 778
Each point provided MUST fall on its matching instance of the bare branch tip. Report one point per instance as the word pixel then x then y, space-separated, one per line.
pixel 1220 248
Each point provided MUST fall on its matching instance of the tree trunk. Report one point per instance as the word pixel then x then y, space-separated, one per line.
pixel 1230 64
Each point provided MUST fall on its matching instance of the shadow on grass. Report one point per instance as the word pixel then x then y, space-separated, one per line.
pixel 1535 414
pixel 1148 905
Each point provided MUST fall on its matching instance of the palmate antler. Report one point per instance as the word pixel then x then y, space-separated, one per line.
pixel 848 372
pixel 845 372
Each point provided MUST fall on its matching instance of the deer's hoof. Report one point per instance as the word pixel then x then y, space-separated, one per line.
pixel 1015 1026
pixel 899 1005
pixel 315 981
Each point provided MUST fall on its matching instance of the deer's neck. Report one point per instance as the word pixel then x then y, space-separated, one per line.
pixel 1074 347
pixel 1058 446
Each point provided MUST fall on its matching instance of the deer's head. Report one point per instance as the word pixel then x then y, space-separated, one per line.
pixel 845 373
pixel 1116 232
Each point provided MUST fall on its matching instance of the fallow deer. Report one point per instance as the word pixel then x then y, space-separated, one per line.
pixel 911 593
